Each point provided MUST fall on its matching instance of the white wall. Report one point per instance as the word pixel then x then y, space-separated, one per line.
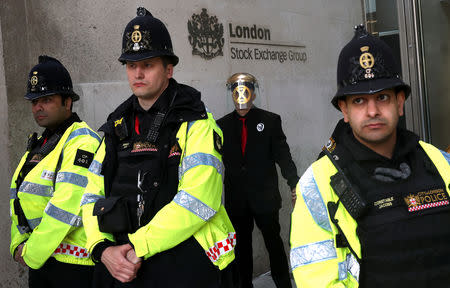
pixel 86 36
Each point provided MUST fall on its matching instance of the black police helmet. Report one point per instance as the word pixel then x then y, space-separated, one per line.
pixel 367 65
pixel 146 37
pixel 49 77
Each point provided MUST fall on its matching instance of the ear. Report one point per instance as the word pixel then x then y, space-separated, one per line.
pixel 400 102
pixel 343 106
pixel 169 71
pixel 68 103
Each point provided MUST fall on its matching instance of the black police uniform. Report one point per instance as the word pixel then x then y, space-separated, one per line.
pixel 400 248
pixel 128 151
pixel 251 187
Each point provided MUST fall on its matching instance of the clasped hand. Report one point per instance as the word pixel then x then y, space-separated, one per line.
pixel 122 262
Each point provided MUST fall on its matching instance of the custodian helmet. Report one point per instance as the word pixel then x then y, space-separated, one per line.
pixel 367 65
pixel 47 78
pixel 146 37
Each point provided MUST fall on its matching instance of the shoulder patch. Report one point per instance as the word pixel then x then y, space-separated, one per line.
pixel 120 128
pixel 83 158
pixel 32 141
pixel 218 142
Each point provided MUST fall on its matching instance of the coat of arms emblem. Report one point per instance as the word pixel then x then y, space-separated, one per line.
pixel 205 35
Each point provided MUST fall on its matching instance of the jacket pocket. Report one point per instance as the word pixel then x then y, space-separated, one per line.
pixel 113 215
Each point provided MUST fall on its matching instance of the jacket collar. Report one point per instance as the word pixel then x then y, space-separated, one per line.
pixel 184 105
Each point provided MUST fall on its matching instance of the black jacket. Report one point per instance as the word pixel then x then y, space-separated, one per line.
pixel 252 179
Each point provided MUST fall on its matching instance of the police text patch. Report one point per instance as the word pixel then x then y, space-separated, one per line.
pixel 83 158
pixel 427 199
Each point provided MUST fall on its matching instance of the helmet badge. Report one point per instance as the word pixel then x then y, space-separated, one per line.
pixel 241 94
pixel 366 60
pixel 34 79
pixel 136 37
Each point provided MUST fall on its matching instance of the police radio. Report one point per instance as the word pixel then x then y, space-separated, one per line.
pixel 349 195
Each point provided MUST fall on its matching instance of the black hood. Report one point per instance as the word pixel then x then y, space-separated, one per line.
pixel 186 105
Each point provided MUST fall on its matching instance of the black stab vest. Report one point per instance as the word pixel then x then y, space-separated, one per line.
pixel 402 246
pixel 134 154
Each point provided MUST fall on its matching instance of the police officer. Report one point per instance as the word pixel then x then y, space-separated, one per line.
pixel 153 206
pixel 254 142
pixel 47 234
pixel 374 210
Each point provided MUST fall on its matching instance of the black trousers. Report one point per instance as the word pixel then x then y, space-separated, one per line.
pixel 270 229
pixel 184 266
pixel 55 274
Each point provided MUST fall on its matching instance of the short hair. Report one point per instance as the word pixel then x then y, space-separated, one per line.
pixel 166 61
pixel 63 100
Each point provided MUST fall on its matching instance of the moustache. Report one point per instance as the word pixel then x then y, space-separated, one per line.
pixel 375 121
pixel 40 113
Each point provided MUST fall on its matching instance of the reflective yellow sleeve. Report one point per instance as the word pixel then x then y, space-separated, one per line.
pixel 199 192
pixel 314 259
pixel 94 191
pixel 16 237
pixel 62 214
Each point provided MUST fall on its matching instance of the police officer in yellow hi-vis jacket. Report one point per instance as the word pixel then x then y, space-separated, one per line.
pixel 153 207
pixel 47 233
pixel 373 210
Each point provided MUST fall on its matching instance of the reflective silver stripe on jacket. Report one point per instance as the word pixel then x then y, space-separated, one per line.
pixel 194 205
pixel 96 168
pixel 446 156
pixel 22 229
pixel 12 193
pixel 33 223
pixel 313 199
pixel 197 159
pixel 350 265
pixel 63 216
pixel 90 198
pixel 312 253
pixel 72 178
pixel 36 189
pixel 83 131
pixel 189 125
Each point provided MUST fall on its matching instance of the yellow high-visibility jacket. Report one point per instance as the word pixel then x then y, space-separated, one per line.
pixel 196 210
pixel 50 200
pixel 315 260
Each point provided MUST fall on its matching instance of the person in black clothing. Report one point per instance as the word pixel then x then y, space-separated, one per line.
pixel 253 142
pixel 158 218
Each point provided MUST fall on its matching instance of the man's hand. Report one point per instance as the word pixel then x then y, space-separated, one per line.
pixel 131 256
pixel 294 196
pixel 18 256
pixel 115 260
